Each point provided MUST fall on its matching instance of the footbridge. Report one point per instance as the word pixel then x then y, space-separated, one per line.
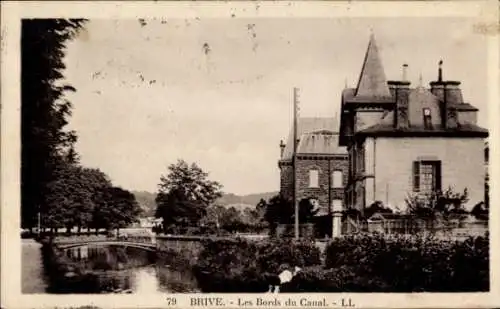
pixel 146 244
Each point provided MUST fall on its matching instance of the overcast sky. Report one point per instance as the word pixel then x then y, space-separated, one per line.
pixel 218 92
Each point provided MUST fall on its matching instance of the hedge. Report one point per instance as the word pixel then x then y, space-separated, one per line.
pixel 365 263
pixel 412 264
pixel 238 265
pixel 342 279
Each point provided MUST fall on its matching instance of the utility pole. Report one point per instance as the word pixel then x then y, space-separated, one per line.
pixel 39 221
pixel 294 163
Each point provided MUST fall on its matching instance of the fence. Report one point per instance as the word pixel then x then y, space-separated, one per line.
pixel 407 226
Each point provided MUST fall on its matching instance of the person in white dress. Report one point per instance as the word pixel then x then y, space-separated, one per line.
pixel 284 277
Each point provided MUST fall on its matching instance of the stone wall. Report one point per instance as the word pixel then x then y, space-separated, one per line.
pixel 286 179
pixel 324 193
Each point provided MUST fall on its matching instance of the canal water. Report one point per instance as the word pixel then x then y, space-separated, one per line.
pixel 113 270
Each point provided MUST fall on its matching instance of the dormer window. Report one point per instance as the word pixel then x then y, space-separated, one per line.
pixel 427 118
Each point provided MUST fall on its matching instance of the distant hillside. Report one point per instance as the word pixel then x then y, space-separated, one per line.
pixel 249 199
pixel 146 200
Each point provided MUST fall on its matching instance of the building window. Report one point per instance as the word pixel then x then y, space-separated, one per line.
pixel 313 179
pixel 337 179
pixel 426 176
pixel 427 118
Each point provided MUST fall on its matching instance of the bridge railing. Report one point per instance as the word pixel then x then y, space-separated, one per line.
pixel 148 239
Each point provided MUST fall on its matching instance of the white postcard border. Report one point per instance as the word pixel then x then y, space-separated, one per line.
pixel 12 12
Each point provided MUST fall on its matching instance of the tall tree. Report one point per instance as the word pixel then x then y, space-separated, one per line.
pixel 118 208
pixel 213 216
pixel 44 109
pixel 184 194
pixel 278 210
pixel 72 196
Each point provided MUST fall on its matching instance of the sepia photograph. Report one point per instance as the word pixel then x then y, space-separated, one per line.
pixel 241 154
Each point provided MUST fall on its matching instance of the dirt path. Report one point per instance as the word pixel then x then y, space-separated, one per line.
pixel 32 279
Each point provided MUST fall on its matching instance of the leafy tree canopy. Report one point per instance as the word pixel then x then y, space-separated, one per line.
pixel 72 196
pixel 279 210
pixel 184 194
pixel 118 208
pixel 46 144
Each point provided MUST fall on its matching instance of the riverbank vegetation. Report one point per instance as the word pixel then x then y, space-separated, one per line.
pixel 238 265
pixel 368 263
pixel 362 263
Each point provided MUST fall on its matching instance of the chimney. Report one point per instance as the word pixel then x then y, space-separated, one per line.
pixel 282 148
pixel 452 97
pixel 449 94
pixel 452 92
pixel 392 88
pixel 440 71
pixel 437 87
pixel 405 72
pixel 400 91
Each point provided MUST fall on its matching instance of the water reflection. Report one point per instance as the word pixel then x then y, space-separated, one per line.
pixel 117 269
pixel 146 281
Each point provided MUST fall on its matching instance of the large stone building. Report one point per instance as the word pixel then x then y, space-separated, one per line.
pixel 321 167
pixel 403 140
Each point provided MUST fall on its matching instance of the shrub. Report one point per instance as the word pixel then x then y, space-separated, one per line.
pixel 342 279
pixel 376 207
pixel 238 265
pixel 275 253
pixel 412 264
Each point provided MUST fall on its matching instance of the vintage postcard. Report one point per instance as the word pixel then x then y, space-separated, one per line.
pixel 259 154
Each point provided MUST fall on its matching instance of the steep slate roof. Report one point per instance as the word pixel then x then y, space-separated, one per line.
pixel 372 81
pixel 373 89
pixel 323 142
pixel 318 135
pixel 418 99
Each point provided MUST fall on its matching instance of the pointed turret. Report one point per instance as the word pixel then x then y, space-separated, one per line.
pixel 372 80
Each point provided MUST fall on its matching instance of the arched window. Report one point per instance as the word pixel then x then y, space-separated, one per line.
pixel 337 181
pixel 313 179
